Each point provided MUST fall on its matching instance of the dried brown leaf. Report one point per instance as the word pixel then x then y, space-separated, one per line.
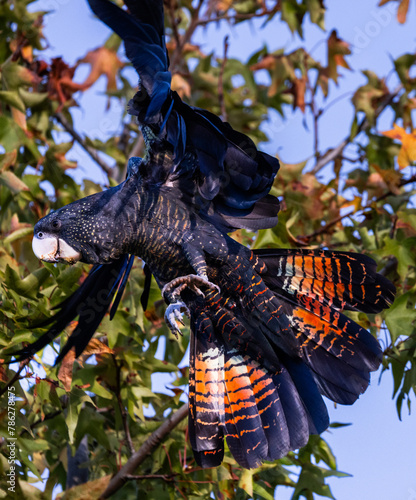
pixel 65 370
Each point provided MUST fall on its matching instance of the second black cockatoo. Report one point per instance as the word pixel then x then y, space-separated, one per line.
pixel 268 335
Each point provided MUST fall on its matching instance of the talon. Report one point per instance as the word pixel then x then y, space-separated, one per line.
pixel 173 315
pixel 171 291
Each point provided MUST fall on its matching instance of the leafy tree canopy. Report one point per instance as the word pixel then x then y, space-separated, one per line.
pixel 363 203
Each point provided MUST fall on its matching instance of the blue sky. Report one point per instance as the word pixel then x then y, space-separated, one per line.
pixel 378 450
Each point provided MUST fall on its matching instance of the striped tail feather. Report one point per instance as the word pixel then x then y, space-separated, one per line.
pixel 270 355
pixel 206 393
pixel 313 287
pixel 340 353
pixel 263 413
pixel 342 280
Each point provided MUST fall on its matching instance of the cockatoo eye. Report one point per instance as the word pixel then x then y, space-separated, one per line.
pixel 39 235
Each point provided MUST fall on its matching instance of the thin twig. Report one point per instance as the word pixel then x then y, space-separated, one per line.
pixel 183 40
pixel 138 146
pixel 316 113
pixel 146 449
pixel 167 478
pixel 327 226
pixel 221 81
pixel 124 415
pixel 174 23
pixel 91 151
pixel 238 16
pixel 332 154
pixel 15 377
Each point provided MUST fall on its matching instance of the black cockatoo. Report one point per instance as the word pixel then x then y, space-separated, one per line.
pixel 268 335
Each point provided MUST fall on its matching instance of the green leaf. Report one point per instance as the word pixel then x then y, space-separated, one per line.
pixel 400 317
pixel 29 286
pixel 12 98
pixel 15 75
pixel 18 234
pixel 32 99
pixel 76 399
pixel 261 491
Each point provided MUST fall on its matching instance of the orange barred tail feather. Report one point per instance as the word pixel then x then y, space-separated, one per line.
pixel 342 280
pixel 263 414
pixel 265 350
pixel 314 286
pixel 206 393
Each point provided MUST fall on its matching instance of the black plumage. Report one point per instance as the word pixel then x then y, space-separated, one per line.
pixel 268 335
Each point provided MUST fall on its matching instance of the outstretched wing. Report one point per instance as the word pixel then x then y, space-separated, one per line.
pixel 143 37
pixel 213 165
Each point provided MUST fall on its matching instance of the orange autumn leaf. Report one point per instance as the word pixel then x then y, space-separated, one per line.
pixel 401 11
pixel 267 62
pixel 407 154
pixel 65 370
pixel 3 374
pixel 95 346
pixel 60 83
pixel 105 62
pixel 299 89
pixel 20 118
pixel 187 48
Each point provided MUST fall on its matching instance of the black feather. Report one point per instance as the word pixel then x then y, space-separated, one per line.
pixel 90 302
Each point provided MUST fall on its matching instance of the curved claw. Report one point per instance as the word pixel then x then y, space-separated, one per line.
pixel 171 291
pixel 173 315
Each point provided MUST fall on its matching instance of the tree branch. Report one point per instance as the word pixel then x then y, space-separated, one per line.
pixel 183 40
pixel 15 377
pixel 238 16
pixel 221 81
pixel 327 226
pixel 174 23
pixel 332 154
pixel 123 412
pixel 140 455
pixel 91 151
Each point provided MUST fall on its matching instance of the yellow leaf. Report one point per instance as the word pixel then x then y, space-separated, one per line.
pixel 407 153
pixel 87 491
pixel 246 482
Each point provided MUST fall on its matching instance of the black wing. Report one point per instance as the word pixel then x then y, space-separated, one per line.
pixel 90 302
pixel 229 178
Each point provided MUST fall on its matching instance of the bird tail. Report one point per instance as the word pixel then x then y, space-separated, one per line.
pixel 90 302
pixel 258 368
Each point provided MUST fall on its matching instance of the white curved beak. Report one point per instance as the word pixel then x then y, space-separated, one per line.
pixel 52 249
